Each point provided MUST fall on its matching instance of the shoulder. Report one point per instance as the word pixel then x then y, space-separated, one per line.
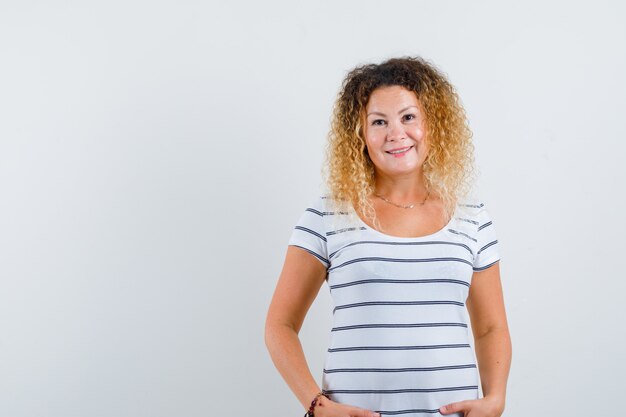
pixel 476 210
pixel 471 209
pixel 336 215
pixel 325 205
pixel 472 216
pixel 317 205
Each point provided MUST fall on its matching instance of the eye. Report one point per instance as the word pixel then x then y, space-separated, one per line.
pixel 378 122
pixel 409 117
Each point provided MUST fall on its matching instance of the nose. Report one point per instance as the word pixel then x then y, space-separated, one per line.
pixel 395 131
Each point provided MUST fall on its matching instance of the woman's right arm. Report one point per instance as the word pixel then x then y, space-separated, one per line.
pixel 298 285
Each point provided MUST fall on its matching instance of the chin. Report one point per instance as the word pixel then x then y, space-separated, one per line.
pixel 405 171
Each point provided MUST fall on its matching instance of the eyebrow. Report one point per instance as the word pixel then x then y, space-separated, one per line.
pixel 383 114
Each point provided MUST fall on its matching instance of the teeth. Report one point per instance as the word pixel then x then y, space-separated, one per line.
pixel 400 150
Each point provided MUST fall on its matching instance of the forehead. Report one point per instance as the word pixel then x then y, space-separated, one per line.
pixel 391 96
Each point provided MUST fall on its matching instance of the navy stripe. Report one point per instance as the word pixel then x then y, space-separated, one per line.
pixel 468 220
pixel 412 411
pixel 473 205
pixel 313 232
pixel 347 229
pixel 400 391
pixel 489 223
pixel 397 303
pixel 312 210
pixel 374 242
pixel 400 281
pixel 318 256
pixel 487 245
pixel 332 213
pixel 456 232
pixel 428 369
pixel 486 266
pixel 353 348
pixel 396 325
pixel 375 258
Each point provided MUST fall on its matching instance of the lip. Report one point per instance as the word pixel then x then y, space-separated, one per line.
pixel 406 149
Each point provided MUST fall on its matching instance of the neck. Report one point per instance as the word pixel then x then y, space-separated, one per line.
pixel 401 189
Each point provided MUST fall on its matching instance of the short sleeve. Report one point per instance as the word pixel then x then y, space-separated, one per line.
pixel 310 232
pixel 487 249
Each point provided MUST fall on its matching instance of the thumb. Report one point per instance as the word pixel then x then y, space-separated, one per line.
pixel 455 407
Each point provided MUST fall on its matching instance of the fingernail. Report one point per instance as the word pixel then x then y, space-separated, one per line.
pixel 443 408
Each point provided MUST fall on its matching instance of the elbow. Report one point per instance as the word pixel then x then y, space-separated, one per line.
pixel 271 333
pixel 491 330
pixel 275 332
pixel 268 334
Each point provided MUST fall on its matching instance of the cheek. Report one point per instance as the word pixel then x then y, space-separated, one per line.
pixel 420 133
pixel 372 142
pixel 422 137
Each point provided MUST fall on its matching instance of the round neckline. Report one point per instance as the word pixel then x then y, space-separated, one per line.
pixel 378 232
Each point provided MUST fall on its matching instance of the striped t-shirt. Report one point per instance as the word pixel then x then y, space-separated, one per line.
pixel 399 344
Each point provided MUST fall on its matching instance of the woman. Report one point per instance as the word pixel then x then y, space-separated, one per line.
pixel 406 253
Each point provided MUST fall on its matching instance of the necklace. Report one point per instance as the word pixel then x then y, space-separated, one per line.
pixel 410 206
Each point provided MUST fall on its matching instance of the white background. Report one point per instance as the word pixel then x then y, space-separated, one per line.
pixel 154 157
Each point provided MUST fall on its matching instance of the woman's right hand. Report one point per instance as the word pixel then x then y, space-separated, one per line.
pixel 328 408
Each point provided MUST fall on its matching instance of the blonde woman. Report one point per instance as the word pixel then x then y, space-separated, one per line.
pixel 409 256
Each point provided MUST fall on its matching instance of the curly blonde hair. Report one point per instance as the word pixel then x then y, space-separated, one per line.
pixel 449 168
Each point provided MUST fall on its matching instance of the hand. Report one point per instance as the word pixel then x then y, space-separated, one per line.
pixel 329 408
pixel 483 407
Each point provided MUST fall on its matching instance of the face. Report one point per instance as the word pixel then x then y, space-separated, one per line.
pixel 395 132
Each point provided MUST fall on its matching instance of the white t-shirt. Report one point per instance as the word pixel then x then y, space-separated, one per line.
pixel 400 340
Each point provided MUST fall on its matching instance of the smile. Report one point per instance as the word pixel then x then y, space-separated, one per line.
pixel 401 151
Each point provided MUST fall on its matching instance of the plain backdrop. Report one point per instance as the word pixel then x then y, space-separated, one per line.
pixel 155 156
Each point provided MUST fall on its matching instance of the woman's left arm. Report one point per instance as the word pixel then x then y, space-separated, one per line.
pixel 485 304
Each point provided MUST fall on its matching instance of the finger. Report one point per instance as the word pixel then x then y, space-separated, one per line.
pixel 359 412
pixel 455 407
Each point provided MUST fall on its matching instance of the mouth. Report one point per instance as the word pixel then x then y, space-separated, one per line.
pixel 400 151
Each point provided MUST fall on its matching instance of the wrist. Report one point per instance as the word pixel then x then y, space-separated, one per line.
pixel 314 402
pixel 496 400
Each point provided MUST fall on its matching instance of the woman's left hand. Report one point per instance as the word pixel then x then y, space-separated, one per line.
pixel 483 407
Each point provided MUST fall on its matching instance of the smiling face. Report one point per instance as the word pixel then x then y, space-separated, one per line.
pixel 395 132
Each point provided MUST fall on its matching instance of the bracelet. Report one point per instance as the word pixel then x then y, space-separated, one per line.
pixel 313 403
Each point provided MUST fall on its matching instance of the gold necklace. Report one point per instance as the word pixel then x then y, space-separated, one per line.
pixel 410 206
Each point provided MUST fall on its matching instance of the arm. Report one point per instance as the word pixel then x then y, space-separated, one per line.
pixel 485 304
pixel 298 285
